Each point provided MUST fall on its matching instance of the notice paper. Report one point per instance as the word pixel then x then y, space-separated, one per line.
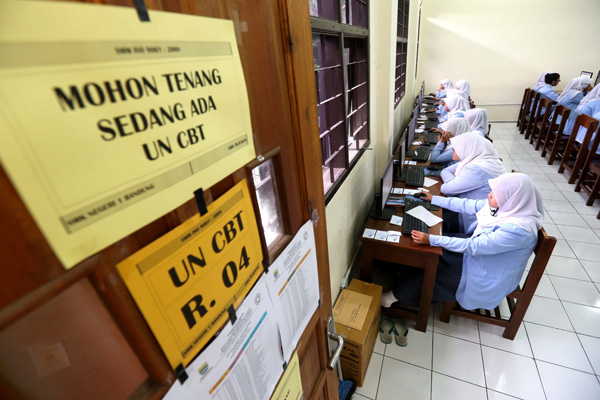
pixel 410 192
pixel 351 309
pixel 396 220
pixel 369 233
pixel 429 182
pixel 394 236
pixel 293 282
pixel 421 213
pixel 397 190
pixel 381 235
pixel 106 133
pixel 245 360
pixel 290 386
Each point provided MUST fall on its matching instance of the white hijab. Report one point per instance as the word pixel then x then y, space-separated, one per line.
pixel 471 148
pixel 456 104
pixel 541 80
pixel 519 203
pixel 594 94
pixel 574 87
pixel 479 119
pixel 464 86
pixel 446 84
pixel 456 126
pixel 456 92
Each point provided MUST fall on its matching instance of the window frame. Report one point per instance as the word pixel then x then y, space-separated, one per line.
pixel 342 31
pixel 402 42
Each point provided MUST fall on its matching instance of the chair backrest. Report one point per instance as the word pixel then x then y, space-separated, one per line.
pixel 535 99
pixel 542 251
pixel 586 122
pixel 564 113
pixel 523 103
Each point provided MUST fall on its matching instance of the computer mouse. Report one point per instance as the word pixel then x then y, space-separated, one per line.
pixel 421 195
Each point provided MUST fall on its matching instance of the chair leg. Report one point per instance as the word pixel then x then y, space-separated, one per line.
pixel 594 192
pixel 578 164
pixel 446 311
pixel 539 141
pixel 567 154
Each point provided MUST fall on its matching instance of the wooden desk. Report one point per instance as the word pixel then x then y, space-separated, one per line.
pixel 408 253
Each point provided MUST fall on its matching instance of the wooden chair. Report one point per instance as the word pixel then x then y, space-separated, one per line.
pixel 589 179
pixel 542 113
pixel 530 110
pixel 575 153
pixel 555 140
pixel 518 300
pixel 522 109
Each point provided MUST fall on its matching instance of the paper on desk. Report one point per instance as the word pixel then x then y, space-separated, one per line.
pixel 417 143
pixel 410 192
pixel 412 163
pixel 419 130
pixel 423 190
pixel 369 233
pixel 421 213
pixel 393 236
pixel 396 220
pixel 429 182
pixel 381 235
pixel 397 190
pixel 405 162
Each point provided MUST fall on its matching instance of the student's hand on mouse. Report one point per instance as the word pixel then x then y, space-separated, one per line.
pixel 420 237
pixel 425 195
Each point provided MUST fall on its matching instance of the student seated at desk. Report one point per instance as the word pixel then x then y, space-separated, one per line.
pixel 590 105
pixel 546 90
pixel 454 107
pixel 445 84
pixel 479 162
pixel 542 80
pixel 480 270
pixel 574 92
pixel 582 131
pixel 479 120
pixel 464 86
pixel 442 152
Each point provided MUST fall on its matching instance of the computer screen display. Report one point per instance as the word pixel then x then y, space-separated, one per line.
pixel 387 181
pixel 411 132
pixel 588 74
pixel 597 79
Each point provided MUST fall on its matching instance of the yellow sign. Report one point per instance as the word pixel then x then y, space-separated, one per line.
pixel 185 281
pixel 290 385
pixel 108 122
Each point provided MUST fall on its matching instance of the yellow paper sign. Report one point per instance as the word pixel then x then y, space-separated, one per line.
pixel 185 281
pixel 104 133
pixel 290 385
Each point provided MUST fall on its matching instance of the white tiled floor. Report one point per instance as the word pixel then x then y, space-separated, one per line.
pixel 556 354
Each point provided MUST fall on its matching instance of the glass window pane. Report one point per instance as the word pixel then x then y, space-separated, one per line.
pixel 328 9
pixel 69 348
pixel 267 197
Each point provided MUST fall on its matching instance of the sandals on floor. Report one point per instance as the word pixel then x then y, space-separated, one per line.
pixel 386 327
pixel 400 331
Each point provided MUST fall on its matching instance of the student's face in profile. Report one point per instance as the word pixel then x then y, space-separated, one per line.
pixel 588 89
pixel 492 200
pixel 455 156
pixel 555 82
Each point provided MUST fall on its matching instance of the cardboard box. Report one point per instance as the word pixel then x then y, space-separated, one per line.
pixel 358 344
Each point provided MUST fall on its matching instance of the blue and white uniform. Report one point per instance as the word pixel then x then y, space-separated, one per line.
pixel 479 162
pixel 442 152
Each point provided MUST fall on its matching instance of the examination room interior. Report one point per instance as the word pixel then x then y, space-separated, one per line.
pixel 501 48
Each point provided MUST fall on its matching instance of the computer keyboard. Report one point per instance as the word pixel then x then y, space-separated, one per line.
pixel 411 223
pixel 422 153
pixel 415 176
pixel 431 137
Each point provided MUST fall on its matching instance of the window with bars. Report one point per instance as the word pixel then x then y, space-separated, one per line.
pixel 341 65
pixel 401 50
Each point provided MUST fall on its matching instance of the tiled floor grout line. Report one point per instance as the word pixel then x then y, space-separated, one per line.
pixel 534 361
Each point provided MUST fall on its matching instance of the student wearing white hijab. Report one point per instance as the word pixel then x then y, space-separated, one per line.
pixel 445 84
pixel 454 107
pixel 479 271
pixel 479 162
pixel 590 105
pixel 479 120
pixel 464 86
pixel 542 80
pixel 442 152
pixel 572 95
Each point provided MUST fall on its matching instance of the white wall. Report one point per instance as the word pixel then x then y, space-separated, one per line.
pixel 502 47
pixel 347 212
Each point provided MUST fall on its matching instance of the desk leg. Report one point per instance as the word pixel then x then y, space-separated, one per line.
pixel 366 272
pixel 429 274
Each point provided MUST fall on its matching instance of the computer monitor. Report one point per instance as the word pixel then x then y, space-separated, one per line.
pixel 379 210
pixel 586 73
pixel 399 156
pixel 410 133
pixel 597 79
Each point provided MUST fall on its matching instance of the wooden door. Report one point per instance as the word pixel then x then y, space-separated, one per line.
pixel 85 316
